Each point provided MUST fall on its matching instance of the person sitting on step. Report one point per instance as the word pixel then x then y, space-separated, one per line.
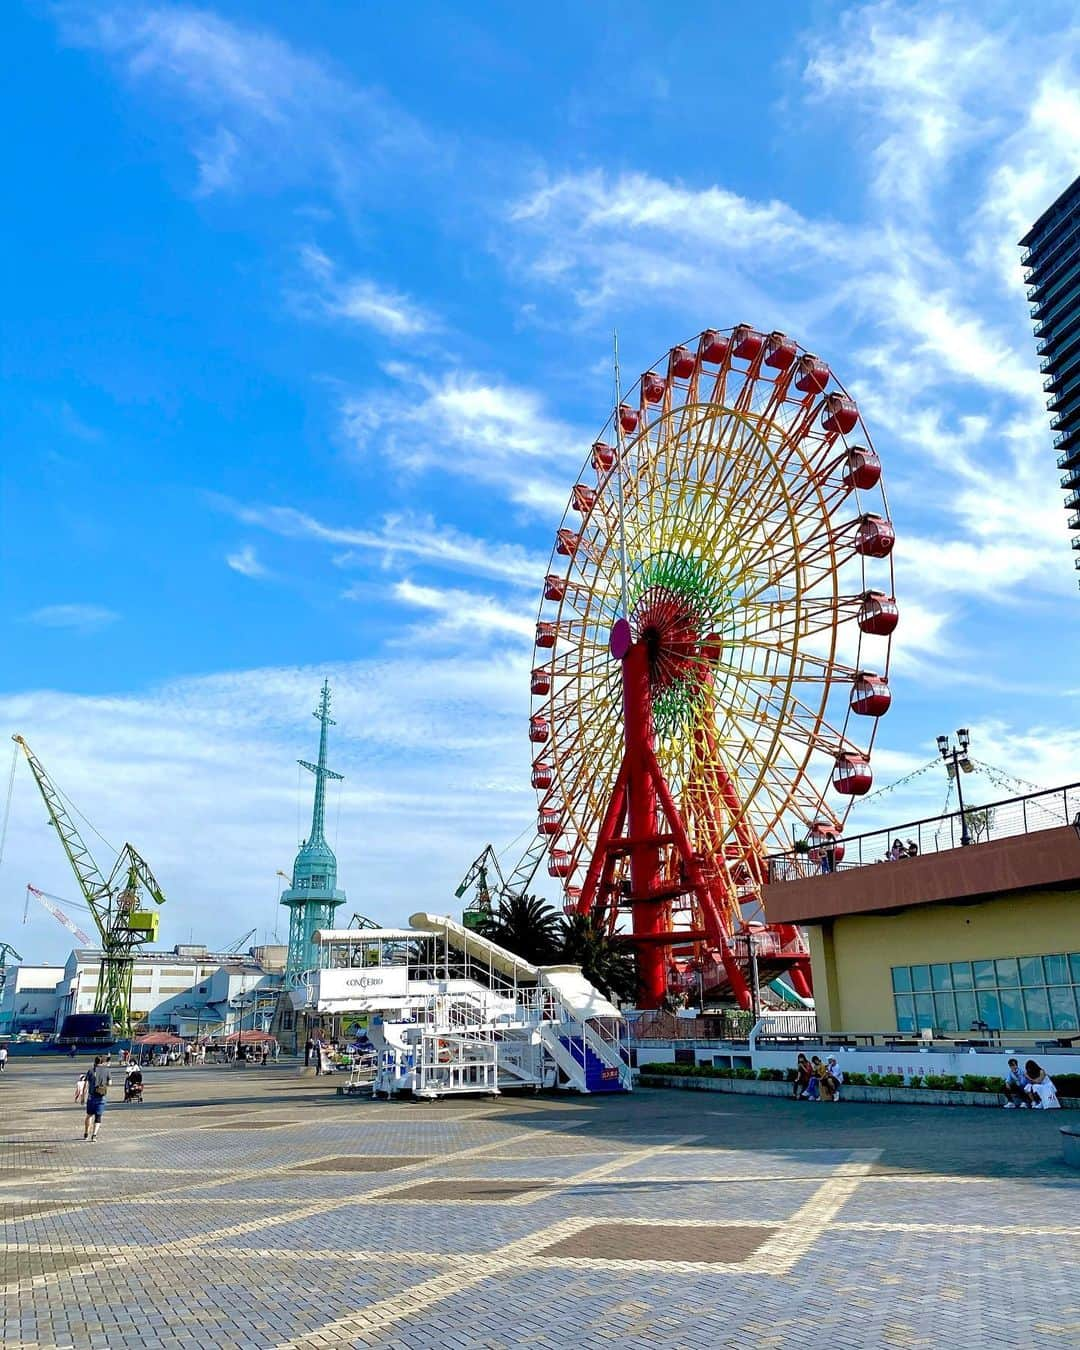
pixel 1041 1088
pixel 1016 1087
pixel 831 1080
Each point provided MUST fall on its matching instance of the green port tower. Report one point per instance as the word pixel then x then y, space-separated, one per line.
pixel 313 898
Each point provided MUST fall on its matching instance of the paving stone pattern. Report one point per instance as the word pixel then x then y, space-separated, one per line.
pixel 256 1208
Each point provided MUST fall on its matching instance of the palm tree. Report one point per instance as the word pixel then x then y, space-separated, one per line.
pixel 525 925
pixel 605 962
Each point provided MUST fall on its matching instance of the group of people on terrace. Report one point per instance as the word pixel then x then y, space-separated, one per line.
pixel 901 850
pixel 816 1081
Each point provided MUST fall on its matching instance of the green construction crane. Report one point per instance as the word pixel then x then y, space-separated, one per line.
pixel 114 902
pixel 489 886
pixel 6 950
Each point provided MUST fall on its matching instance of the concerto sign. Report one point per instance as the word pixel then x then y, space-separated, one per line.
pixel 360 988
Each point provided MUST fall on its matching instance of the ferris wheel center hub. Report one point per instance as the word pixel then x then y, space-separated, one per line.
pixel 621 639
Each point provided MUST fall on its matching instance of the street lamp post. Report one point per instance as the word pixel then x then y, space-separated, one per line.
pixel 238 1005
pixel 755 982
pixel 956 758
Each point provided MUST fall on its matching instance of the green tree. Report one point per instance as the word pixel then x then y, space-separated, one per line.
pixel 532 929
pixel 980 822
pixel 604 961
pixel 527 926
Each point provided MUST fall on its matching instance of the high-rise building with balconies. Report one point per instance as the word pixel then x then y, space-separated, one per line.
pixel 1052 268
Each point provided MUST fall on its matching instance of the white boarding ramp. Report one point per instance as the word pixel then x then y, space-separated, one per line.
pixel 592 1052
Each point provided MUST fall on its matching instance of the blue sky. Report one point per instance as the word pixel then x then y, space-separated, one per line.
pixel 309 314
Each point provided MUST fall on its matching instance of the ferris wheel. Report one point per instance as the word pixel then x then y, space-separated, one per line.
pixel 712 646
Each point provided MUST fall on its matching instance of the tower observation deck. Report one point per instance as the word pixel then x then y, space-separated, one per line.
pixel 313 897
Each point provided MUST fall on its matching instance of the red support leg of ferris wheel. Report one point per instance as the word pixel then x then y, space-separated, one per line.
pixel 640 799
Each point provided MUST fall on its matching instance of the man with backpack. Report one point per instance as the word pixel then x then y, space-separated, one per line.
pixel 97 1085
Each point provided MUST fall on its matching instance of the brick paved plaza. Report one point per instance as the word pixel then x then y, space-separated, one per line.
pixel 252 1207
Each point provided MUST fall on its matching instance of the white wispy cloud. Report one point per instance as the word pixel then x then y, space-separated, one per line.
pixel 465 613
pixel 398 536
pixel 83 618
pixel 75 425
pixel 217 158
pixel 259 110
pixel 919 75
pixel 464 423
pixel 246 562
pixel 607 240
pixel 362 300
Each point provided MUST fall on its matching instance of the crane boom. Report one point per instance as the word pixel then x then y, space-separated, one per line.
pixel 521 878
pixel 238 944
pixel 58 914
pixel 93 885
pixel 122 923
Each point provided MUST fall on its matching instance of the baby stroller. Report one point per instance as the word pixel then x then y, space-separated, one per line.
pixel 133 1086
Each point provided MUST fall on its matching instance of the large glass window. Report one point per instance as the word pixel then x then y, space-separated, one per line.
pixel 1031 971
pixel 1063 1004
pixel 1036 1008
pixel 967 1013
pixel 989 1009
pixel 920 978
pixel 1012 1010
pixel 941 977
pixel 944 1012
pixel 1008 972
pixel 1026 993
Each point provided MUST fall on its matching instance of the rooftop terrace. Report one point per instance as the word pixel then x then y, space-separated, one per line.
pixel 1044 810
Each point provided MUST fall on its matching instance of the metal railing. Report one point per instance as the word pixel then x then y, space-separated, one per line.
pixel 772 1026
pixel 940 834
pixel 655 1025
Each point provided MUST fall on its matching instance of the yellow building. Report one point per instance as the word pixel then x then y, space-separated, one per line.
pixel 983 937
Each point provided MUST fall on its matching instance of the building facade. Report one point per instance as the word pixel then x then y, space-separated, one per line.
pixel 986 936
pixel 30 1000
pixel 1051 260
pixel 189 990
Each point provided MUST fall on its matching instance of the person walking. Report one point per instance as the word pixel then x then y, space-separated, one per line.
pixel 3 1058
pixel 97 1086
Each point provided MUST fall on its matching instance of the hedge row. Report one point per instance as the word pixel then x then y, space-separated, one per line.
pixel 1068 1084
